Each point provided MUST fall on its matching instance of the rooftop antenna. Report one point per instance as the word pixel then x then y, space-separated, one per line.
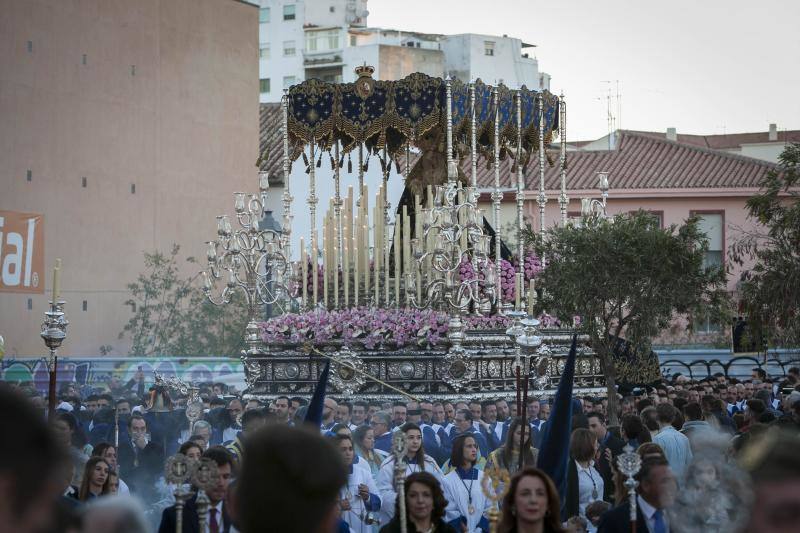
pixel 613 100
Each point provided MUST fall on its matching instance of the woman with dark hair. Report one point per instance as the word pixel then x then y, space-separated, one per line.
pixel 425 507
pixel 69 435
pixel 364 445
pixel 531 504
pixel 191 450
pixel 507 456
pixel 95 479
pixel 109 453
pixel 466 503
pixel 338 429
pixel 584 483
pixel 633 430
pixel 415 461
pixel 358 499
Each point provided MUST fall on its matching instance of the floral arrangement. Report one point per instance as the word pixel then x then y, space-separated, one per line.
pixel 371 328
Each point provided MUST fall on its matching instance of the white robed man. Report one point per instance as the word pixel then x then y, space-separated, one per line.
pixel 415 461
pixel 358 500
pixel 466 503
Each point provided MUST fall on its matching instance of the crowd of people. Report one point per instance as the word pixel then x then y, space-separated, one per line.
pixel 717 454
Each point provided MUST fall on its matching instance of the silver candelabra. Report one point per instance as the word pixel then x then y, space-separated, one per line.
pixel 251 259
pixel 454 226
pixel 593 206
pixel 54 331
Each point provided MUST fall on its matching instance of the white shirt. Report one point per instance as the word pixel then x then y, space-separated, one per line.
pixel 220 524
pixel 385 482
pixel 590 486
pixel 457 492
pixel 358 509
pixel 123 487
pixel 648 511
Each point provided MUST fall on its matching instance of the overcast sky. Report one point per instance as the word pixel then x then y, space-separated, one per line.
pixel 702 66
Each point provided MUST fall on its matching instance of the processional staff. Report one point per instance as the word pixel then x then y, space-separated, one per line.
pixel 495 485
pixel 629 463
pixel 399 451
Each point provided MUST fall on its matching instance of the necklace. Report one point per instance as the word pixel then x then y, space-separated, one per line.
pixel 588 472
pixel 470 508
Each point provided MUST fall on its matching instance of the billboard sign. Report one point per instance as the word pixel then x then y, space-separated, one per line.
pixel 21 252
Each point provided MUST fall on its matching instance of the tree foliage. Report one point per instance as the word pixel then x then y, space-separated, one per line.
pixel 770 289
pixel 627 279
pixel 171 315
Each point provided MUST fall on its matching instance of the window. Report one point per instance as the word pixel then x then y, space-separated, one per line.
pixel 488 48
pixel 288 81
pixel 29 176
pixel 30 304
pixel 133 188
pixel 713 225
pixel 333 9
pixel 263 15
pixel 322 40
pixel 289 48
pixel 657 215
pixel 263 51
pixel 83 182
pixel 704 324
pixel 289 12
pixel 85 305
pixel 263 85
pixel 353 40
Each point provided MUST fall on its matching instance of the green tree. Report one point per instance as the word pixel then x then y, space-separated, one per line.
pixel 171 315
pixel 627 279
pixel 770 289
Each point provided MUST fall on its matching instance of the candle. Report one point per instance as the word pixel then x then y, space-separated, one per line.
pixel 304 270
pixel 365 245
pixel 314 274
pixel 406 242
pixel 518 291
pixel 377 254
pixel 325 273
pixel 397 251
pixel 346 275
pixel 356 263
pixel 335 263
pixel 531 297
pixel 56 281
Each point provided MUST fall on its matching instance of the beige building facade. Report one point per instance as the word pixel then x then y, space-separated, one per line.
pixel 126 125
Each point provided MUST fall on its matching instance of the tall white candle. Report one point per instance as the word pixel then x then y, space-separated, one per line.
pixel 304 272
pixel 397 253
pixel 314 259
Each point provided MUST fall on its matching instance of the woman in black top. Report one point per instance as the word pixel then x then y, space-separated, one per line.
pixel 425 505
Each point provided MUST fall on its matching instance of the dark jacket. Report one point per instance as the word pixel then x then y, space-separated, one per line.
pixel 394 527
pixel 615 444
pixel 191 522
pixel 140 468
pixel 572 495
pixel 618 520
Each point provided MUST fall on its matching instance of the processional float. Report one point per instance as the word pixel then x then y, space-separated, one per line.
pixel 420 297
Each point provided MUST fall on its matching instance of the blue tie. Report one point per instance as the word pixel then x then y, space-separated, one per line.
pixel 658 522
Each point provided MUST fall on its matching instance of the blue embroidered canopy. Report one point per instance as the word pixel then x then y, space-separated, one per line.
pixel 391 114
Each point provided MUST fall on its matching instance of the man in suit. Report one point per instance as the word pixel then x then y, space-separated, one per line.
pixel 140 459
pixel 611 445
pixel 217 519
pixel 656 493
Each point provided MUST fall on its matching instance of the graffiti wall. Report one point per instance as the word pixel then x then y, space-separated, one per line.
pixel 95 372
